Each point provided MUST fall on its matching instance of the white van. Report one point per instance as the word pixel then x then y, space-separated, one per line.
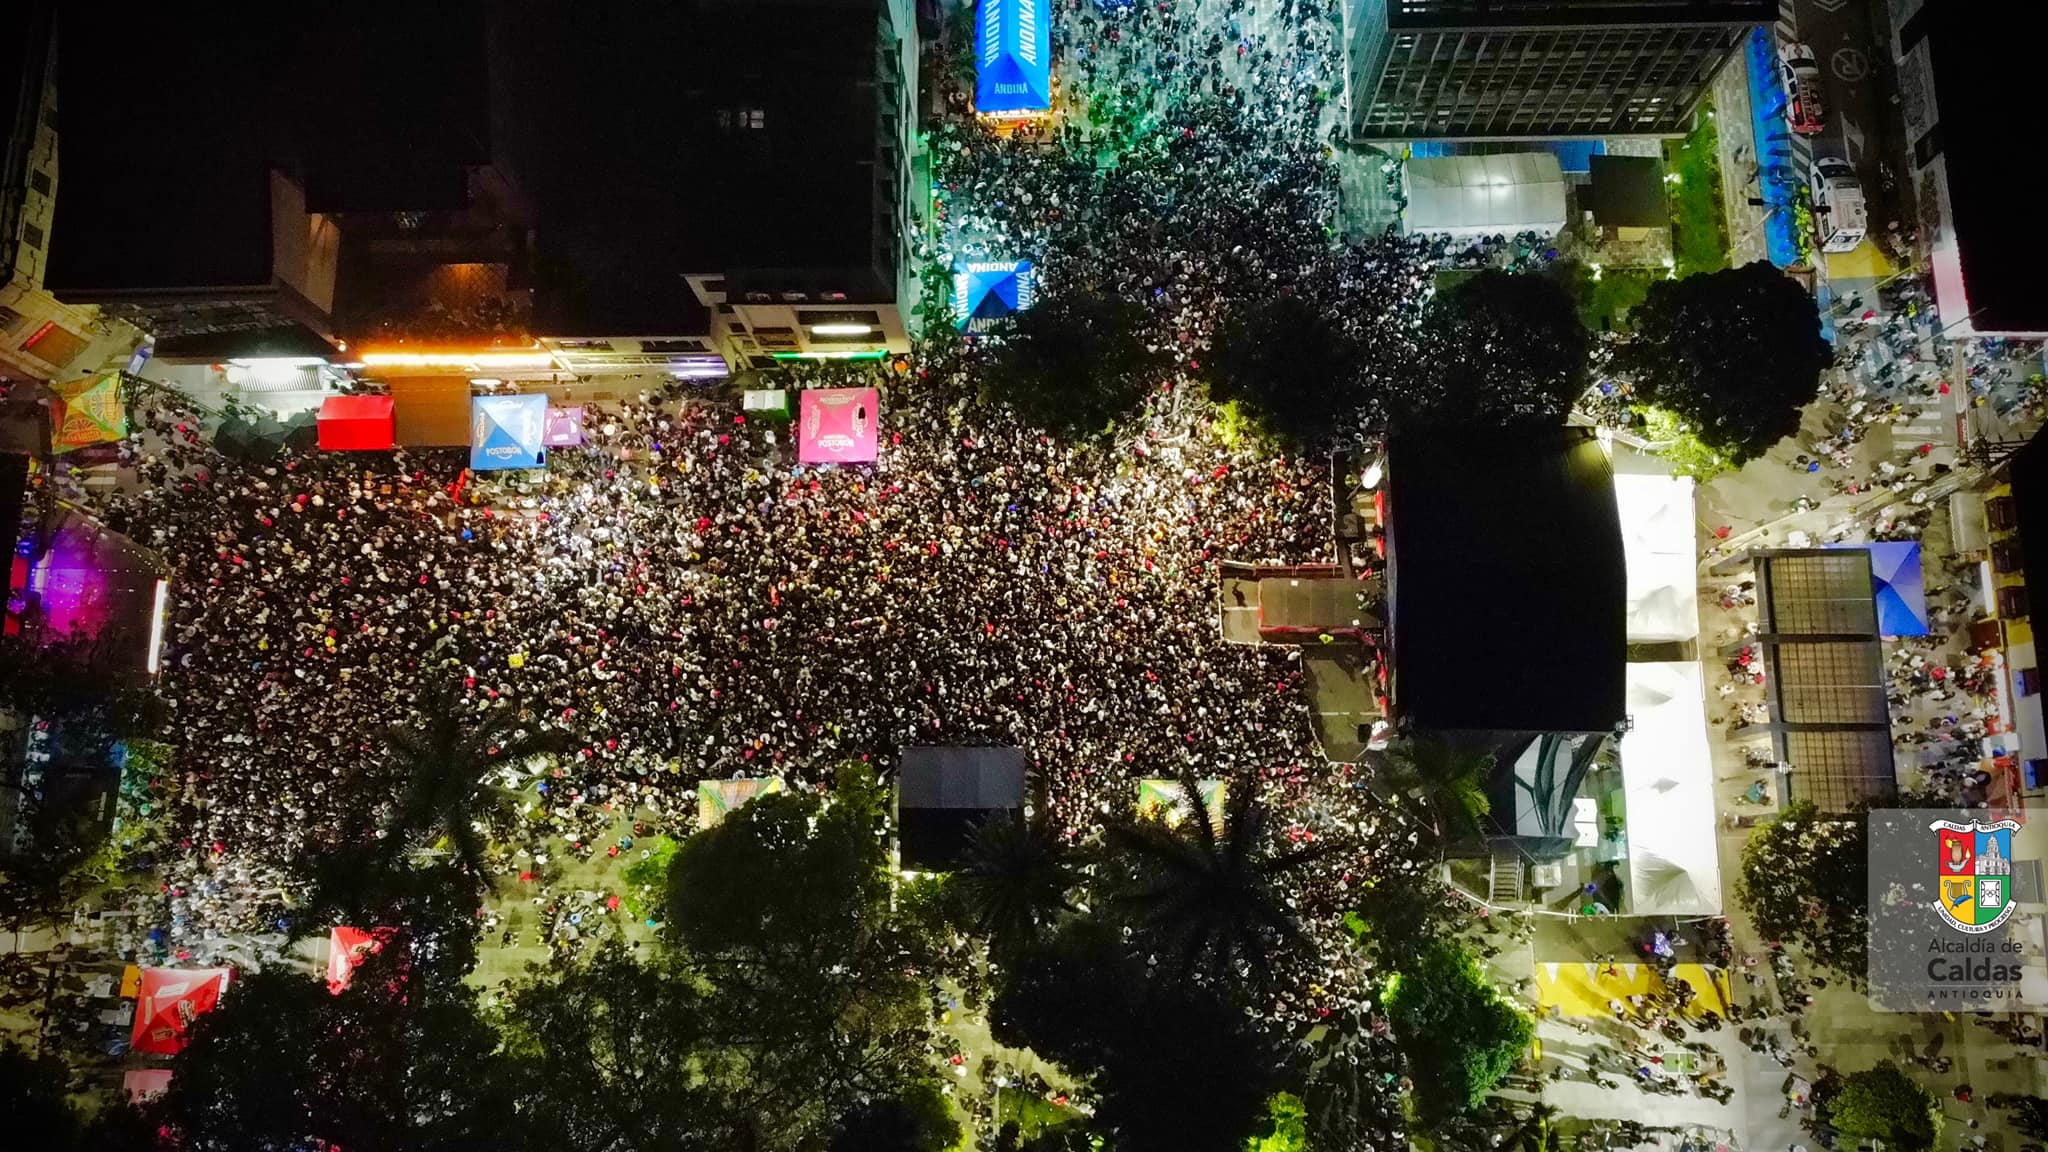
pixel 1840 215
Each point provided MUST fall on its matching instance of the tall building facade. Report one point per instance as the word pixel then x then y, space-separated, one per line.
pixel 1536 69
pixel 40 338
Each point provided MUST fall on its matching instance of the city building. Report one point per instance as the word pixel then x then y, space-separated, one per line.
pixel 708 183
pixel 816 192
pixel 1535 69
pixel 40 338
pixel 2011 537
pixel 1966 92
pixel 506 196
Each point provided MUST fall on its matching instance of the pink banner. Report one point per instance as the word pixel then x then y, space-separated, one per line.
pixel 838 425
pixel 564 428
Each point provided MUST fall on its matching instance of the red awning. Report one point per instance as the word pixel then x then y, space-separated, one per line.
pixel 169 1000
pixel 357 424
pixel 346 949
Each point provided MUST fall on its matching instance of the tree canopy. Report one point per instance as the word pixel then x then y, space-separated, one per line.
pixel 396 1061
pixel 1177 1068
pixel 1460 1035
pixel 820 986
pixel 1501 348
pixel 917 1119
pixel 1883 1103
pixel 1210 901
pixel 1805 881
pixel 1016 877
pixel 1290 364
pixel 445 762
pixel 1737 354
pixel 613 1053
pixel 1074 362
pixel 1445 781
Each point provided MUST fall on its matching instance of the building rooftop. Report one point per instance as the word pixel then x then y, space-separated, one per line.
pixel 690 137
pixel 1524 13
pixel 1986 91
pixel 24 65
pixel 942 793
pixel 1506 582
pixel 166 171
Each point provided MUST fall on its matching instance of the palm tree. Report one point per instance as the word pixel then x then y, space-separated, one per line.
pixel 446 760
pixel 1211 898
pixel 1015 875
pixel 1446 781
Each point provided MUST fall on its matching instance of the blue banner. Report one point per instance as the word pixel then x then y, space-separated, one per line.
pixel 507 432
pixel 988 290
pixel 1013 57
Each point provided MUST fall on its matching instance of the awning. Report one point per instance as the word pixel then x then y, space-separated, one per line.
pixel 1667 771
pixel 507 432
pixel 1659 551
pixel 985 291
pixel 717 799
pixel 1898 586
pixel 357 424
pixel 169 1000
pixel 432 411
pixel 1167 800
pixel 87 412
pixel 347 948
pixel 1013 57
pixel 1483 195
pixel 838 425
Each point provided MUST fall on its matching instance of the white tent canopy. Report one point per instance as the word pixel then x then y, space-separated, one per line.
pixel 1667 773
pixel 1659 550
pixel 1483 195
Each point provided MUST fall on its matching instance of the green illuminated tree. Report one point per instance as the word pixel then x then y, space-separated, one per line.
pixel 1804 881
pixel 1883 1103
pixel 1460 1035
pixel 1737 354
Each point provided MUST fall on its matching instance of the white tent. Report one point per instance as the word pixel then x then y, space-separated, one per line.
pixel 1483 195
pixel 1659 550
pixel 1667 774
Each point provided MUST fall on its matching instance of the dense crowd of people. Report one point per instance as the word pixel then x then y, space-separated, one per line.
pixel 1190 167
pixel 682 601
pixel 690 604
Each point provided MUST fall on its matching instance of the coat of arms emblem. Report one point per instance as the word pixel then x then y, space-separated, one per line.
pixel 1975 873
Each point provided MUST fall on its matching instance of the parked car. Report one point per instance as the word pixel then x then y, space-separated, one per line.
pixel 1840 215
pixel 1805 107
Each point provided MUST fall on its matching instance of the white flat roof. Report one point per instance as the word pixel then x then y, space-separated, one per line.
pixel 1659 547
pixel 1482 195
pixel 1667 771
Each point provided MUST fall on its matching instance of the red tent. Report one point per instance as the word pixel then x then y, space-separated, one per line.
pixel 346 950
pixel 170 999
pixel 143 1083
pixel 357 424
